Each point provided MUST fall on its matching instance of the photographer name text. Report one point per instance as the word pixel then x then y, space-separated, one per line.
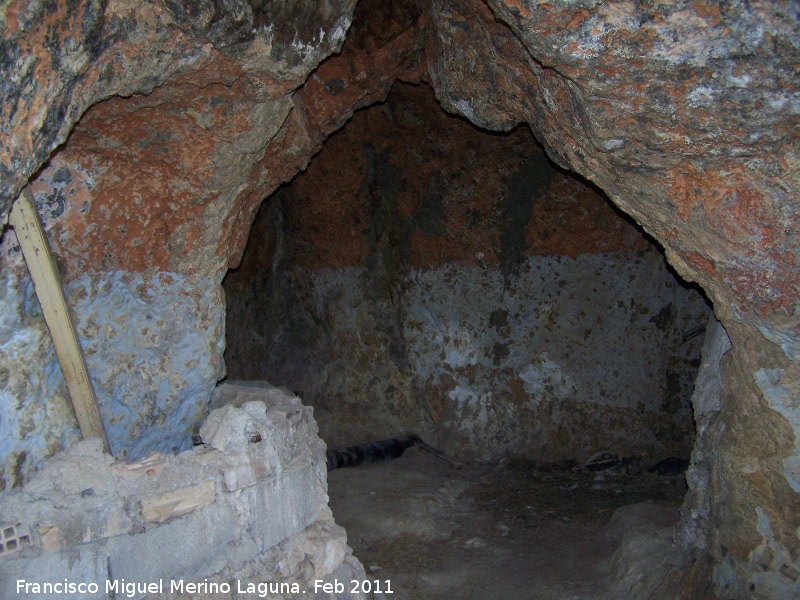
pixel 122 588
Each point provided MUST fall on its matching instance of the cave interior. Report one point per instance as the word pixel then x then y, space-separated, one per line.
pixel 559 247
pixel 424 276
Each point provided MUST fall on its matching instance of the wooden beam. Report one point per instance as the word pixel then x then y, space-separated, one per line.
pixel 177 503
pixel 24 218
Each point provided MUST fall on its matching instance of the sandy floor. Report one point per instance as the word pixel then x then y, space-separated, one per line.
pixel 513 531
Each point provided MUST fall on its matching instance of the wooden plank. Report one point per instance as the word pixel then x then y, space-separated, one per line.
pixel 162 507
pixel 152 465
pixel 24 218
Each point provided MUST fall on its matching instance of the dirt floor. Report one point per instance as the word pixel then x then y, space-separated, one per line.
pixel 513 531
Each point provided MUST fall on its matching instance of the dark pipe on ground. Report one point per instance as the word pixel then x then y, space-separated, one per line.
pixel 371 452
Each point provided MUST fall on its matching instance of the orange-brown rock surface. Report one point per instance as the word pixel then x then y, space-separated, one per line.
pixel 185 115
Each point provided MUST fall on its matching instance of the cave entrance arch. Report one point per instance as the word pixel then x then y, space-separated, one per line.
pixel 425 276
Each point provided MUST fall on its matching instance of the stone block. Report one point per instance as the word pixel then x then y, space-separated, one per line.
pixel 229 430
pixel 288 504
pixel 236 393
pixel 190 548
pixel 49 537
pixel 244 475
pixel 80 564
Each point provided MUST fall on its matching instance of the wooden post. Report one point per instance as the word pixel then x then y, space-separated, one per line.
pixel 24 218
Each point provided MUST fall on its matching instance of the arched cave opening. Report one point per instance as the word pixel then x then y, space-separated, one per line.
pixel 423 276
pixel 457 286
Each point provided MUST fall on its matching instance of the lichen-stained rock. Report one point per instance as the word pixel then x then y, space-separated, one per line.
pixel 684 112
pixel 145 181
pixel 478 67
pixel 56 60
pixel 59 59
pixel 154 349
pixel 687 114
pixel 37 416
pixel 162 184
pixel 379 50
pixel 755 504
pixel 153 346
pixel 185 99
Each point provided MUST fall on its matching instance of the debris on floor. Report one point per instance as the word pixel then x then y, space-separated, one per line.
pixel 520 530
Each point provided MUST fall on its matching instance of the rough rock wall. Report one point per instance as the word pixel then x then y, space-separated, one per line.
pixel 198 111
pixel 37 417
pixel 60 59
pixel 684 112
pixel 425 276
pixel 152 197
pixel 706 401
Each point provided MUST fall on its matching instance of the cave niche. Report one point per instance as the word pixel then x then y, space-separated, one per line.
pixel 423 276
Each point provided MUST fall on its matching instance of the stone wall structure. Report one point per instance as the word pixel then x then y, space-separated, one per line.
pixel 243 515
pixel 151 131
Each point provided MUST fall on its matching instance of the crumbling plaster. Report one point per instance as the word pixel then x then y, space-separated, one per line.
pixel 246 511
pixel 684 112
